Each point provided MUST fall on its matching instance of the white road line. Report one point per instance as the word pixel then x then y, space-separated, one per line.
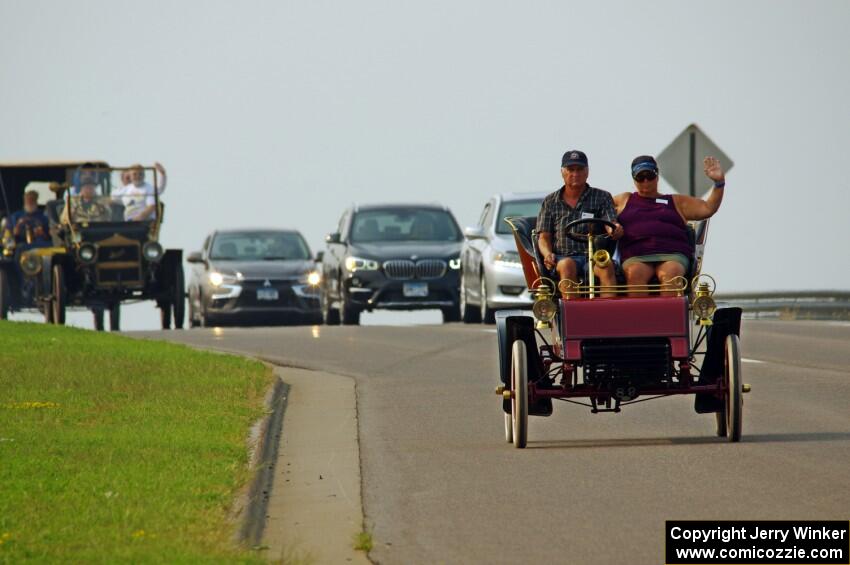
pixel 745 360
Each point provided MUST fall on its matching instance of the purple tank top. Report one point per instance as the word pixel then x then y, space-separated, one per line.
pixel 652 225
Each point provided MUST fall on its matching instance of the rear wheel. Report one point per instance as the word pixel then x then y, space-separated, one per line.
pixel 488 315
pixel 519 398
pixel 57 304
pixel 734 407
pixel 115 317
pixel 468 314
pixel 5 294
pixel 98 315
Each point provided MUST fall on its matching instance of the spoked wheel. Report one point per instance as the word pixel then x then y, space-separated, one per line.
pixel 734 405
pixel 57 304
pixel 509 428
pixel 467 315
pixel 488 315
pixel 98 315
pixel 5 294
pixel 115 317
pixel 519 398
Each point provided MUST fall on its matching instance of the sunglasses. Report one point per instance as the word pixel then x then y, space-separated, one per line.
pixel 645 176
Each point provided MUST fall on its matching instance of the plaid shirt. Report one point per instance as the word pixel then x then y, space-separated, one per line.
pixel 555 214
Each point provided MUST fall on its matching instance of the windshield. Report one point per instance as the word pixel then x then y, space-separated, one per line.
pixel 517 208
pixel 404 224
pixel 113 195
pixel 259 246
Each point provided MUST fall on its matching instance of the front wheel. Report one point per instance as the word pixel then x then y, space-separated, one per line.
pixel 519 398
pixel 115 317
pixel 97 314
pixel 488 315
pixel 165 315
pixel 350 313
pixel 467 314
pixel 734 406
pixel 451 314
pixel 330 316
pixel 57 304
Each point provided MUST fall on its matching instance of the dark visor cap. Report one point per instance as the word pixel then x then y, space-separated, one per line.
pixel 644 163
pixel 574 157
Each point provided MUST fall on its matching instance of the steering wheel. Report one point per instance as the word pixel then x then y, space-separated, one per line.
pixel 582 237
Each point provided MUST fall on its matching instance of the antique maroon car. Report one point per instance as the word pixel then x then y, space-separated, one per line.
pixel 631 345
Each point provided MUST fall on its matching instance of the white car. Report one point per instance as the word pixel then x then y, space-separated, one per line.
pixel 491 274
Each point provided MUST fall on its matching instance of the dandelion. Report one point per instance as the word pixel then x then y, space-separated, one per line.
pixel 138 534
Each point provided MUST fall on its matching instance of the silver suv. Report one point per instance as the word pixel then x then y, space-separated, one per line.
pixel 491 274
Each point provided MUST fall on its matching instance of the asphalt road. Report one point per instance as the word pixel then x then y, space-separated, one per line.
pixel 442 486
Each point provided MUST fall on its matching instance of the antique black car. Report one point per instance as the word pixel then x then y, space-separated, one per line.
pixel 102 247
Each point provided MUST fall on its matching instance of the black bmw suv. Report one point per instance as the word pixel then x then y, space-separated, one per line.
pixel 394 257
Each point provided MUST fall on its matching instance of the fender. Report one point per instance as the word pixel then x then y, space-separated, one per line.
pixel 726 321
pixel 510 326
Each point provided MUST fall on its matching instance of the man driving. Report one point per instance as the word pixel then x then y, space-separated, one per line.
pixel 28 227
pixel 575 200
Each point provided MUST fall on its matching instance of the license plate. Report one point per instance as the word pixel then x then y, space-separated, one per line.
pixel 267 294
pixel 416 289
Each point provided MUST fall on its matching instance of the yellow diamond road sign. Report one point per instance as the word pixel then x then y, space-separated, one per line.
pixel 681 162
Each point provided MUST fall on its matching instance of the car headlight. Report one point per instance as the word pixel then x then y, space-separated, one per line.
pixel 87 253
pixel 31 264
pixel 152 251
pixel 454 263
pixel 218 279
pixel 507 259
pixel 354 264
pixel 313 278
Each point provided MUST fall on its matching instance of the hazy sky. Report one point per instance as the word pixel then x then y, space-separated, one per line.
pixel 283 113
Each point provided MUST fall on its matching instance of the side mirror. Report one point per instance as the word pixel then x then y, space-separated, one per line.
pixel 333 237
pixel 195 257
pixel 474 232
pixel 319 256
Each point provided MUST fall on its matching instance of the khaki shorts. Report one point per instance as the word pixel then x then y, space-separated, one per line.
pixel 659 258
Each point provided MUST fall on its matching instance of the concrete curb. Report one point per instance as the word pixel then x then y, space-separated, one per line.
pixel 265 439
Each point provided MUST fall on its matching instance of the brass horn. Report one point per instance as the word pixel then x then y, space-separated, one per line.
pixel 601 258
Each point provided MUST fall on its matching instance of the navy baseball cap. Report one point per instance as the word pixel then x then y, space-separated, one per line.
pixel 574 157
pixel 644 163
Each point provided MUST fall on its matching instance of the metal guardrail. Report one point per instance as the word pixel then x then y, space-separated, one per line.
pixel 791 305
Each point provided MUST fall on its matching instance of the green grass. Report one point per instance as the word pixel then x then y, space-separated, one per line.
pixel 363 541
pixel 113 449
